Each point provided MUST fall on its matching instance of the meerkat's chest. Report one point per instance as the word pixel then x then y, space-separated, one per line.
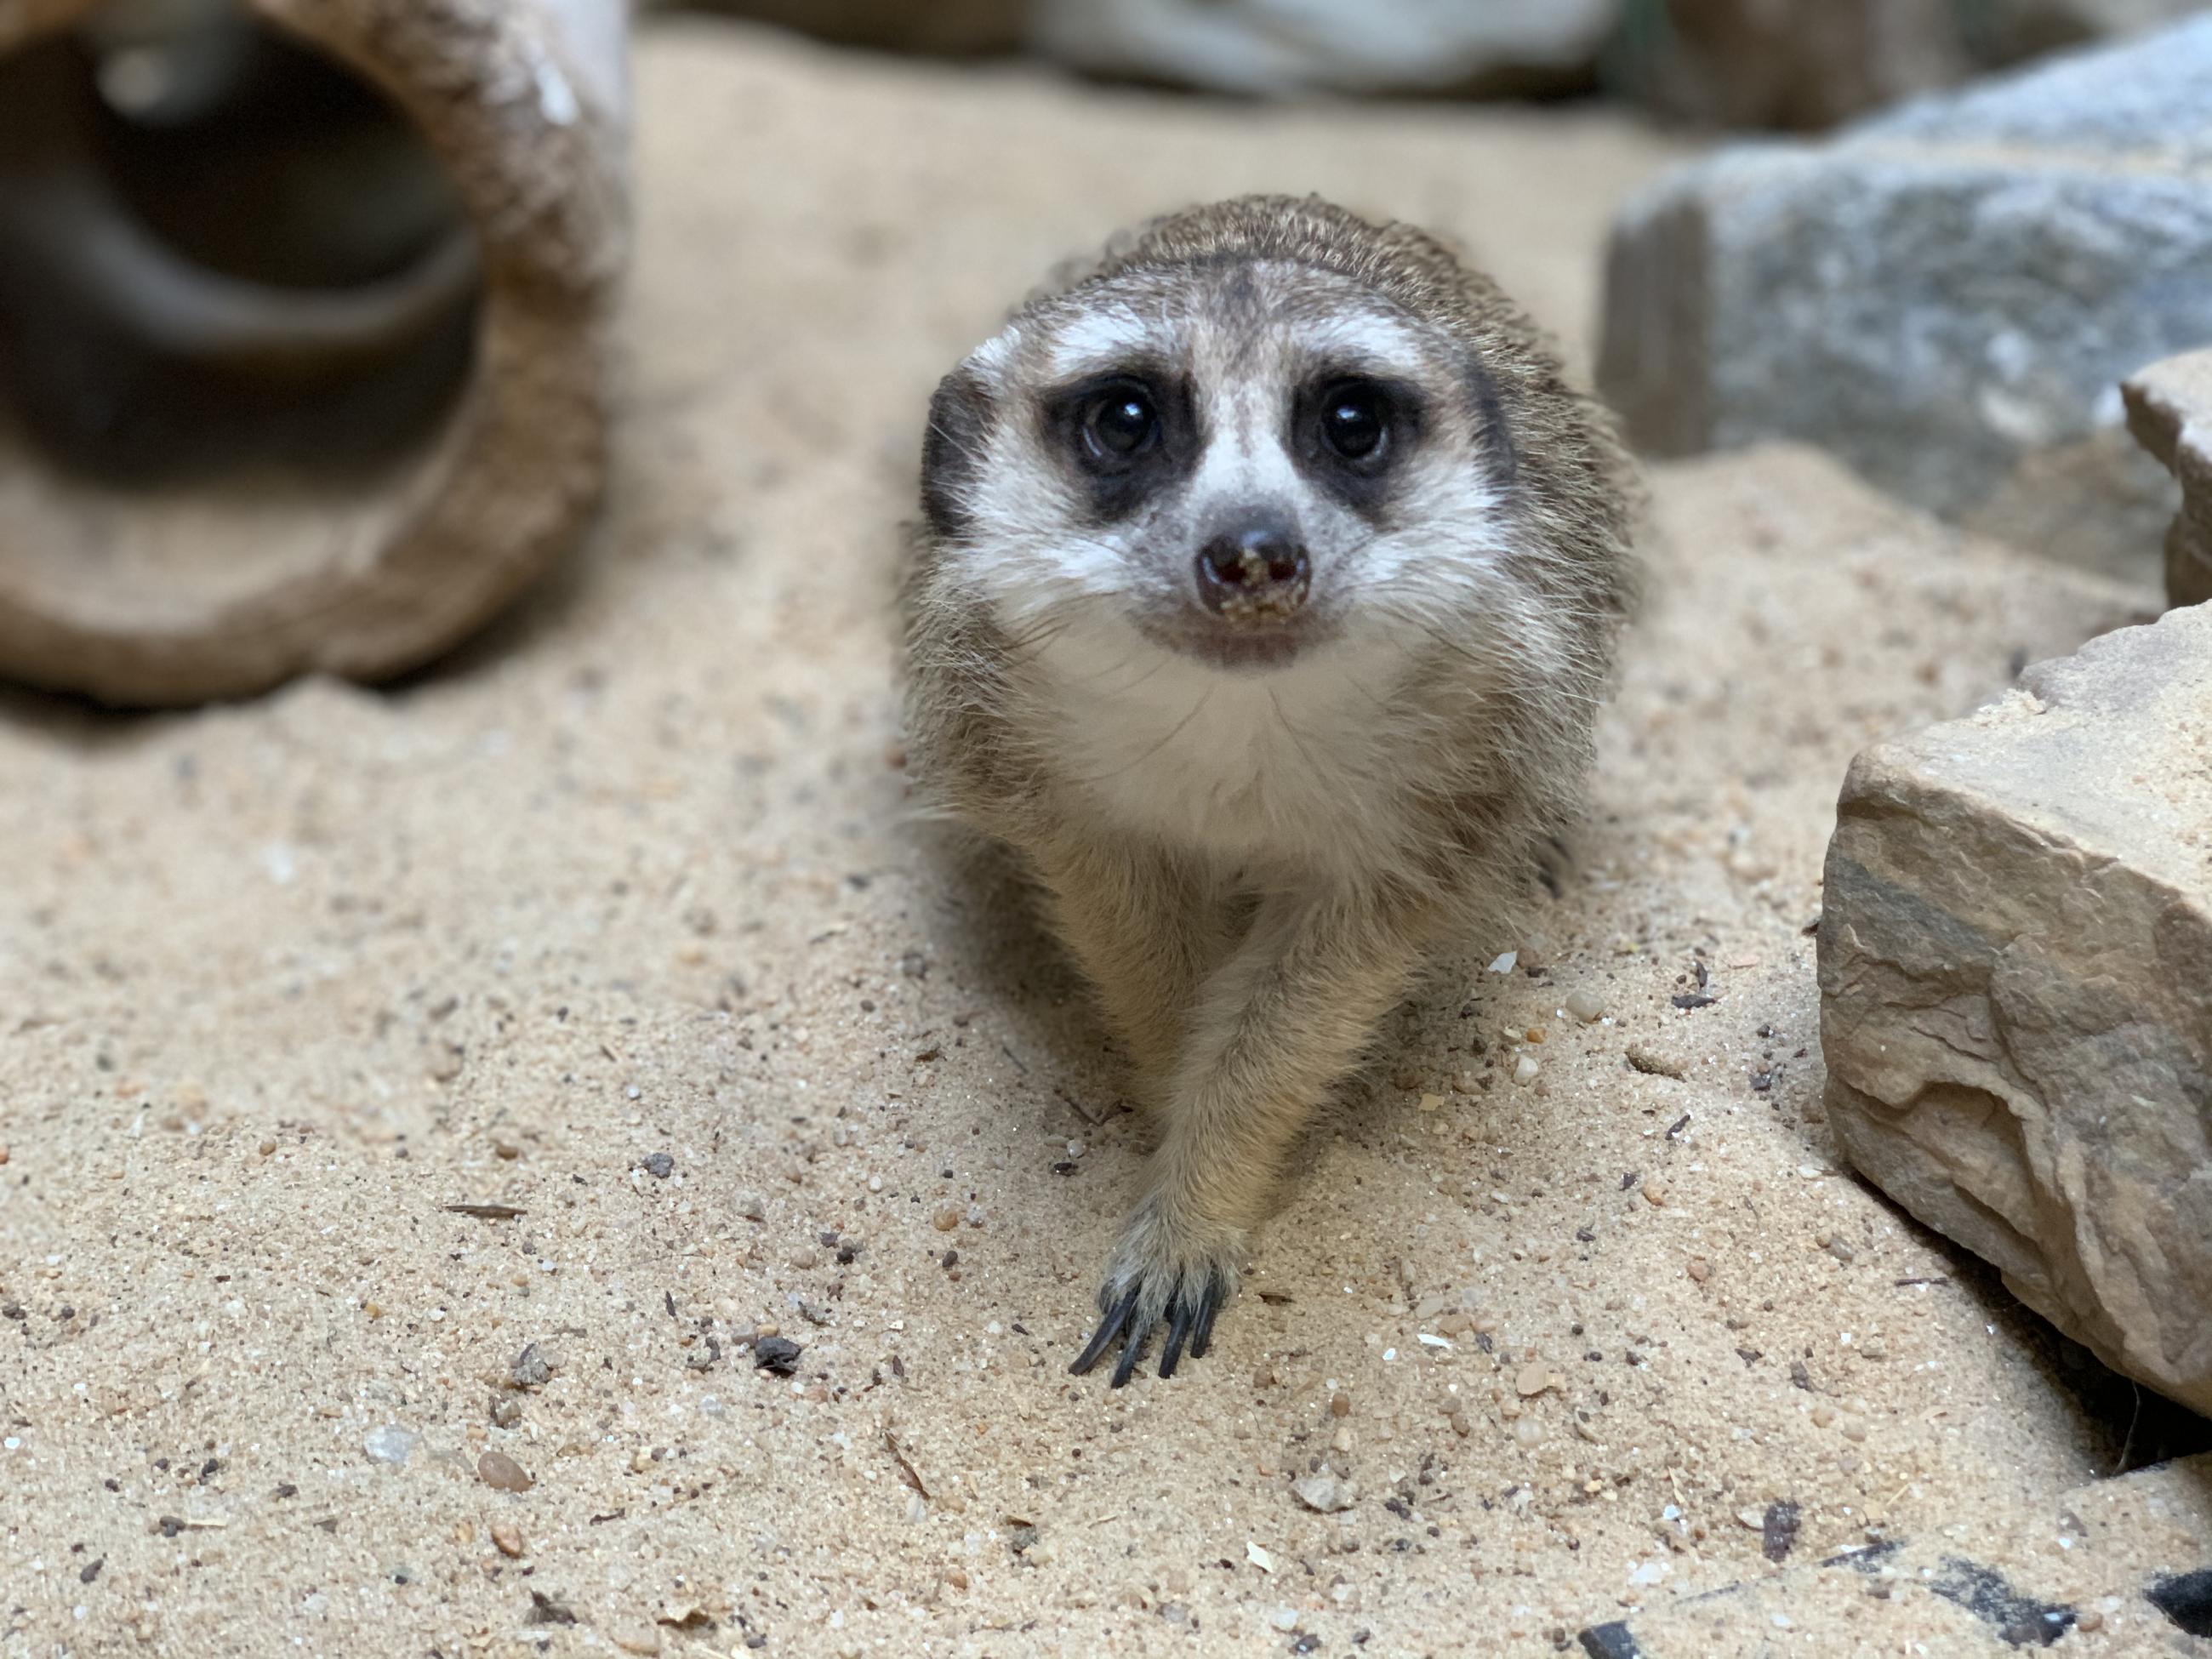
pixel 1269 768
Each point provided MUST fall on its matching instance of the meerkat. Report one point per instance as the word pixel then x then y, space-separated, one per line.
pixel 1264 591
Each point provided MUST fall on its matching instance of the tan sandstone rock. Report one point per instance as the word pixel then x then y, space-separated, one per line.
pixel 2170 412
pixel 2015 966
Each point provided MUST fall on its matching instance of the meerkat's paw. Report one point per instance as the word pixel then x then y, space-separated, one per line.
pixel 1165 1268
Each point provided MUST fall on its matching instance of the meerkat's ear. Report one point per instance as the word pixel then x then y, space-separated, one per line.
pixel 960 417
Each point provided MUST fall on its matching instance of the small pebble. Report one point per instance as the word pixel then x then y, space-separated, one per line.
pixel 1406 1077
pixel 778 1354
pixel 266 1149
pixel 531 1368
pixel 1339 1404
pixel 1654 1192
pixel 496 1468
pixel 1854 1430
pixel 507 1537
pixel 1586 1005
pixel 635 1638
pixel 2089 1620
pixel 944 1218
pixel 1284 1618
pixel 1700 1269
pixel 1525 1070
pixel 659 1166
pixel 1322 1492
pixel 803 1259
pixel 752 1206
pixel 390 1444
pixel 1531 1381
pixel 1824 1416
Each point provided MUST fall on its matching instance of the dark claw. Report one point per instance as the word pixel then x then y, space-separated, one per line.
pixel 1209 1305
pixel 1131 1352
pixel 1183 1314
pixel 1117 1315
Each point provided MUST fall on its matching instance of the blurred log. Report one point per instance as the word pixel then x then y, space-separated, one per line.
pixel 301 317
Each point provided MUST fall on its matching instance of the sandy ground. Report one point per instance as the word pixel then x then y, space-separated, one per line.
pixel 620 922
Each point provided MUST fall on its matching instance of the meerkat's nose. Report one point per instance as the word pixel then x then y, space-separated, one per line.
pixel 1256 568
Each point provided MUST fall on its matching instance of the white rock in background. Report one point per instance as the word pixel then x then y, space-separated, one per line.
pixel 1279 46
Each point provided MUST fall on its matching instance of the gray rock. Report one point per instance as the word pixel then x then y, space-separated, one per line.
pixel 390 1444
pixel 1754 62
pixel 1324 1493
pixel 1279 46
pixel 2015 966
pixel 1948 296
pixel 2170 412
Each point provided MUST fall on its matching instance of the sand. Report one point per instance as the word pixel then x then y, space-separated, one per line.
pixel 623 921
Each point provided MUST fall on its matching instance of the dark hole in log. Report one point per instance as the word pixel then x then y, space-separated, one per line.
pixel 219 252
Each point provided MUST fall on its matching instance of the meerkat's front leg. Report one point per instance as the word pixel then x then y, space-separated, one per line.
pixel 1276 1026
pixel 1147 927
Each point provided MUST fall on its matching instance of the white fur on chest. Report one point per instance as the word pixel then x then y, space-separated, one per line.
pixel 1289 768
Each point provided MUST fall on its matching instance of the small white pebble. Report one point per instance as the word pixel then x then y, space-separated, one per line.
pixel 1505 964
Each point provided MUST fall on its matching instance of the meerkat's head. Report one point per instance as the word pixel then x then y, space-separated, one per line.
pixel 1242 451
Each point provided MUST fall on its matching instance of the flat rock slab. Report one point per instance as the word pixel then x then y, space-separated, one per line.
pixel 1948 296
pixel 2170 412
pixel 2015 966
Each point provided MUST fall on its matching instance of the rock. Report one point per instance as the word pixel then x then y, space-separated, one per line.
pixel 390 1444
pixel 1272 47
pixel 496 1468
pixel 1947 297
pixel 777 1354
pixel 1753 63
pixel 532 1367
pixel 1323 1492
pixel 2170 412
pixel 2015 967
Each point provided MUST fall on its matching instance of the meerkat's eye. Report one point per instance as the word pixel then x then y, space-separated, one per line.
pixel 1355 421
pixel 1121 424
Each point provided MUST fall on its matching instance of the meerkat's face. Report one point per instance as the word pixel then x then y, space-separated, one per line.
pixel 1241 463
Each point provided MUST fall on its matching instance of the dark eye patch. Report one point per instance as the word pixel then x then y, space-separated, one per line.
pixel 1124 435
pixel 1350 431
